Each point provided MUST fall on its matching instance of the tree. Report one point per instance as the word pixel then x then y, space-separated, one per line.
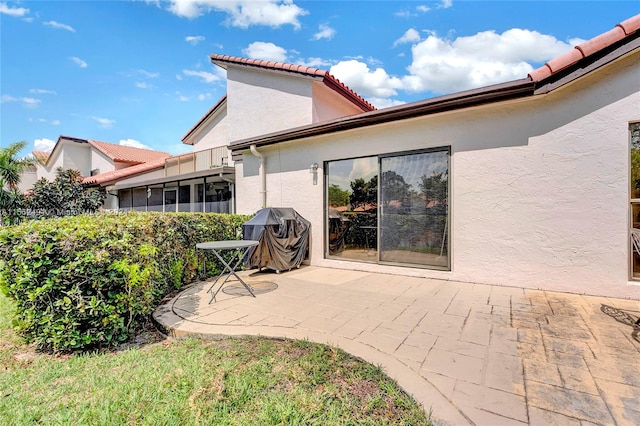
pixel 338 196
pixel 67 195
pixel 364 194
pixel 12 167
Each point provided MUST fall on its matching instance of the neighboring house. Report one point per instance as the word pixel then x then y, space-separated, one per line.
pixel 526 183
pixel 92 158
pixel 262 97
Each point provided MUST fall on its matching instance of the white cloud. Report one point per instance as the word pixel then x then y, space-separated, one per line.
pixel 316 63
pixel 204 96
pixel 133 144
pixel 12 11
pixel 359 77
pixel 42 91
pixel 325 31
pixel 423 8
pixel 44 144
pixel 442 65
pixel 105 123
pixel 266 51
pixel 207 77
pixel 194 39
pixel 27 101
pixel 59 26
pixel 178 77
pixel 446 4
pixel 384 102
pixel 79 62
pixel 52 122
pixel 149 74
pixel 7 98
pixel 243 13
pixel 30 102
pixel 143 85
pixel 410 36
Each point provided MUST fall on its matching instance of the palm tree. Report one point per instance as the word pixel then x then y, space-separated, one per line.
pixel 12 167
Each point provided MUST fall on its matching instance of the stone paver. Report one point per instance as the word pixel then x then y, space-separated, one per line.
pixel 470 353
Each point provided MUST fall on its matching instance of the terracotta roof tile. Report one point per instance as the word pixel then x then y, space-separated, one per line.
pixel 127 154
pixel 630 25
pixel 600 42
pixel 563 61
pixel 41 156
pixel 328 79
pixel 619 32
pixel 114 175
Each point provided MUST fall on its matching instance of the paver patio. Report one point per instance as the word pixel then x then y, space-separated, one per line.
pixel 470 353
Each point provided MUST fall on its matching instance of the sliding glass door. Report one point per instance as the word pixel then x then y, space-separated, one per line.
pixel 414 192
pixel 391 208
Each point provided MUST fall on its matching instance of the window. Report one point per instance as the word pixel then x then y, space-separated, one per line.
pixel 634 192
pixel 390 209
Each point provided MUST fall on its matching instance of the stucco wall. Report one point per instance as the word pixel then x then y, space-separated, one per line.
pixel 102 162
pixel 539 188
pixel 214 134
pixel 263 102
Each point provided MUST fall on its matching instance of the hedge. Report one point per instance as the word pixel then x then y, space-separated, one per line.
pixel 89 281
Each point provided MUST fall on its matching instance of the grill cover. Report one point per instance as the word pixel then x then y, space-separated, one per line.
pixel 283 237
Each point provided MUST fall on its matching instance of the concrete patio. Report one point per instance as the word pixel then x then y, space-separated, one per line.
pixel 470 353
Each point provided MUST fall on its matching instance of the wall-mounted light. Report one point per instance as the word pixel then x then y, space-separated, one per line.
pixel 313 168
pixel 148 192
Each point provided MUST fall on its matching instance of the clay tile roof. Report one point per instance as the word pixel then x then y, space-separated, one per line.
pixel 328 79
pixel 588 48
pixel 127 154
pixel 41 156
pixel 114 175
pixel 630 25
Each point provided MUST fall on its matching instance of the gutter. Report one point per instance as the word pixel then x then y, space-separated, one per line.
pixel 263 174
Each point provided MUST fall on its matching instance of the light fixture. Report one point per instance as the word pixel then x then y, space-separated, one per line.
pixel 148 192
pixel 313 168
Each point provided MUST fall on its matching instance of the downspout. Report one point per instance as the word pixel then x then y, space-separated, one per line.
pixel 263 173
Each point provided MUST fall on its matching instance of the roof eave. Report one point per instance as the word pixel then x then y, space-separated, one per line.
pixel 204 118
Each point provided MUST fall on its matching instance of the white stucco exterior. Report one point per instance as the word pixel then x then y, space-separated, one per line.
pixel 263 102
pixel 539 187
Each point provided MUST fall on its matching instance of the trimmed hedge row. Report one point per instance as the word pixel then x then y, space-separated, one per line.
pixel 88 281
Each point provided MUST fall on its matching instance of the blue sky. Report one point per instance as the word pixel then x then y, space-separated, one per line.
pixel 138 72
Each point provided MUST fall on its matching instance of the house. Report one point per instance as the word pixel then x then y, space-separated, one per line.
pixel 91 158
pixel 262 97
pixel 533 183
pixel 528 183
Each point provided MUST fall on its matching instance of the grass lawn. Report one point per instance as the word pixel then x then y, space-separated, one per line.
pixel 252 381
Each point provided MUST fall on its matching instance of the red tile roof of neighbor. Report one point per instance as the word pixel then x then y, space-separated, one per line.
pixel 127 154
pixel 114 175
pixel 41 156
pixel 327 78
pixel 581 51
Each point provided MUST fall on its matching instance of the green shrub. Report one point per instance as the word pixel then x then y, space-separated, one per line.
pixel 88 281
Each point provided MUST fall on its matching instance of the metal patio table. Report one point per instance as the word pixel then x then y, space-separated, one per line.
pixel 240 247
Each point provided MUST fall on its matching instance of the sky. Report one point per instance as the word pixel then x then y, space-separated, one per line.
pixel 138 72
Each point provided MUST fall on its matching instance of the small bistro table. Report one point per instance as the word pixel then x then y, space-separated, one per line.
pixel 240 247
